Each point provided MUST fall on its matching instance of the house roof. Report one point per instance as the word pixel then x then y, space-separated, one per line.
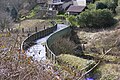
pixel 73 8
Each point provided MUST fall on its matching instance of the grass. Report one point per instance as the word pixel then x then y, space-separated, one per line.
pixel 117 17
pixel 108 72
pixel 107 58
pixel 29 25
pixel 79 63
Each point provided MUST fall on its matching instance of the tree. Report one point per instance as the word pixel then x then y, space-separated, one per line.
pixel 119 3
pixel 9 10
pixel 111 4
pixel 100 5
pixel 91 6
pixel 72 19
pixel 5 18
pixel 118 8
pixel 96 18
pixel 5 21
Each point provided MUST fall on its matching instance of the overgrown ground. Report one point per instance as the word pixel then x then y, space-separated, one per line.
pixel 14 63
pixel 31 24
pixel 97 43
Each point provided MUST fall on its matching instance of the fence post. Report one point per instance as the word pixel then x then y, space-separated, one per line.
pixel 44 27
pixel 29 30
pixel 54 59
pixel 51 57
pixel 35 29
pixel 11 30
pixel 22 30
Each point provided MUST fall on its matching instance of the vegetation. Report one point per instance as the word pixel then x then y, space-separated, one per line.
pixel 78 63
pixel 96 19
pixel 109 4
pixel 118 9
pixel 91 6
pixel 66 46
pixel 16 65
pixel 107 72
pixel 33 12
pixel 76 66
pixel 72 19
pixel 100 5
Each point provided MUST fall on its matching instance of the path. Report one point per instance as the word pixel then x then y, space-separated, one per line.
pixel 38 51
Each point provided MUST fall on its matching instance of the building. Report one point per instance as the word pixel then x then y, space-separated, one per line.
pixel 69 6
pixel 55 5
pixel 75 10
pixel 41 1
pixel 77 7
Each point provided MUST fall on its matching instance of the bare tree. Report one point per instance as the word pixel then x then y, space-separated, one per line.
pixel 5 18
pixel 9 10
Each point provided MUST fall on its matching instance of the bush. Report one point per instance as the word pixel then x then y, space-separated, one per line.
pixel 72 19
pixel 111 4
pixel 119 3
pixel 33 12
pixel 96 19
pixel 91 6
pixel 63 45
pixel 118 10
pixel 100 5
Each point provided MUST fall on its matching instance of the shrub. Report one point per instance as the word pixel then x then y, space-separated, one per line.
pixel 72 19
pixel 118 10
pixel 91 6
pixel 119 3
pixel 96 19
pixel 33 12
pixel 111 4
pixel 63 45
pixel 100 5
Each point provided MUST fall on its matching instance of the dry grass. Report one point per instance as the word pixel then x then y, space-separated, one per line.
pixel 108 72
pixel 15 65
pixel 32 23
pixel 97 43
pixel 79 63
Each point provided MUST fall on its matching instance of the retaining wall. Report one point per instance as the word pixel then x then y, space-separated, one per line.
pixel 49 52
pixel 29 41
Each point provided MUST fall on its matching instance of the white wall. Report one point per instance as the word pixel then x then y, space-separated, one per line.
pixel 79 2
